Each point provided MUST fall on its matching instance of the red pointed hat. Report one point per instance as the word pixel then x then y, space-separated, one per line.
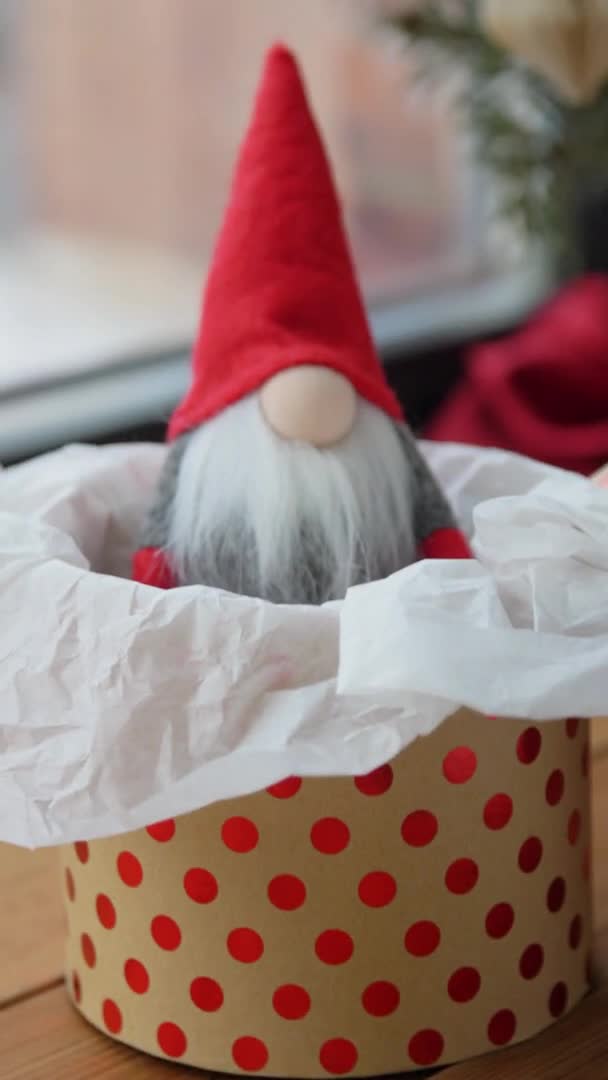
pixel 281 289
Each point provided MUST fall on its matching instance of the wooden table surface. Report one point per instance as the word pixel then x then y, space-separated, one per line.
pixel 43 1038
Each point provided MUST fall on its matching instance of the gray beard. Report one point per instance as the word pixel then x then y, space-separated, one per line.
pixel 233 567
pixel 229 561
pixel 232 564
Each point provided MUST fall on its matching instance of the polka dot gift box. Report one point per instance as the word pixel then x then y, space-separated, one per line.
pixel 434 909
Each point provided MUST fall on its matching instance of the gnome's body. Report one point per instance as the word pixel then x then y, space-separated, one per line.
pixel 291 473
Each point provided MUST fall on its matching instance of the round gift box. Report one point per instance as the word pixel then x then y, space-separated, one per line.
pixel 433 910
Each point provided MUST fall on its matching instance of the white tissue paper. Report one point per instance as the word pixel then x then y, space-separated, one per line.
pixel 121 704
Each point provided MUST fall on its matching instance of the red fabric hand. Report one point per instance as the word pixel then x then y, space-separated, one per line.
pixel 446 544
pixel 150 567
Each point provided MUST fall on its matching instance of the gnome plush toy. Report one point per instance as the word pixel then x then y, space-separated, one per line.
pixel 291 473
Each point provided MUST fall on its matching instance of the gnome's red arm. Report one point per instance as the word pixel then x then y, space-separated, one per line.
pixel 150 564
pixel 448 543
pixel 150 567
pixel 436 532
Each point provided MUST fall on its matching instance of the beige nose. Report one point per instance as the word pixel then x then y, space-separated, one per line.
pixel 311 404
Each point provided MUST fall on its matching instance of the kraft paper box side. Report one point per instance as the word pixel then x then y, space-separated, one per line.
pixel 431 911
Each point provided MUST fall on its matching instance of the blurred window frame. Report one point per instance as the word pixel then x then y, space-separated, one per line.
pixel 117 400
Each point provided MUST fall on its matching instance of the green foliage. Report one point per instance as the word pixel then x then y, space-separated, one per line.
pixel 544 153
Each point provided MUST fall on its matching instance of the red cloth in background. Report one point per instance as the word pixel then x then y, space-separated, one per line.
pixel 542 391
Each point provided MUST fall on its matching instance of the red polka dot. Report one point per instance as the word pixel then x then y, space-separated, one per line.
pixel 76 987
pixel 419 828
pixel 528 745
pixel 106 912
pixel 329 835
pixel 530 854
pixel 498 811
pixel 380 998
pixel 501 1028
pixel 291 1002
pixel 459 765
pixel 240 834
pixel 249 1054
pixel 200 885
pixel 129 869
pixel 162 831
pixel 499 920
pixel 136 976
pixel 576 932
pixel 558 999
pixel 426 1047
pixel 572 724
pixel 245 945
pixel 585 760
pixel 422 938
pixel 166 932
pixel 334 947
pixel 554 789
pixel 171 1040
pixel 377 889
pixel 338 1056
pixel 285 789
pixel 556 894
pixel 287 892
pixel 574 826
pixel 375 783
pixel 464 984
pixel 88 950
pixel 531 961
pixel 206 994
pixel 82 851
pixel 70 888
pixel 112 1016
pixel 462 876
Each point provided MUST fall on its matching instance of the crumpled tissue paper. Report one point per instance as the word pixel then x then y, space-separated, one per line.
pixel 121 704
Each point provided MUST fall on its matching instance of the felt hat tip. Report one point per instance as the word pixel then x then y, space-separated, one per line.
pixel 279 52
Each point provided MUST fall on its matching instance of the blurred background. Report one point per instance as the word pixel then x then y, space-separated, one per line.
pixel 119 124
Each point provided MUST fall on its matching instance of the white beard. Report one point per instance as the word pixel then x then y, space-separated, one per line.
pixel 258 515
